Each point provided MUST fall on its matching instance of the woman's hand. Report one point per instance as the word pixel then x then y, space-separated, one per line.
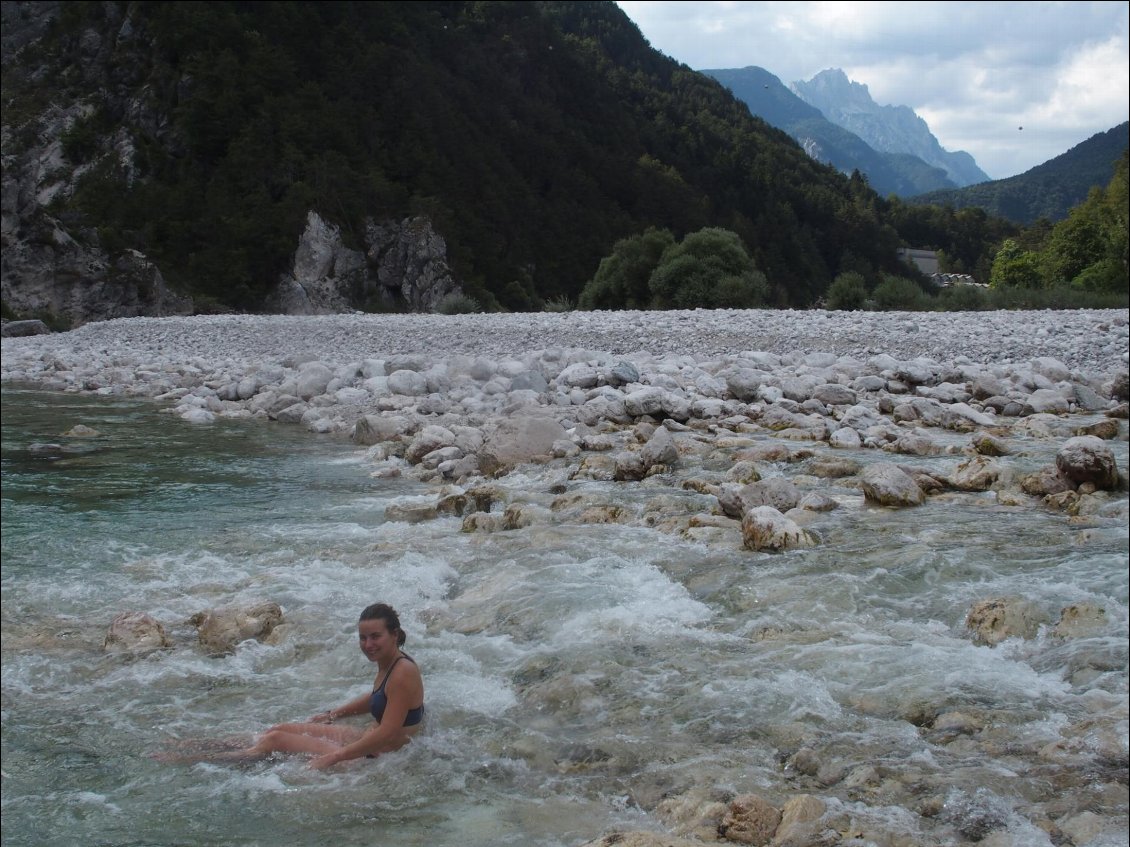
pixel 320 763
pixel 324 717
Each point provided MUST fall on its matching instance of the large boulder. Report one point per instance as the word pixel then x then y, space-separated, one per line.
pixel 220 630
pixel 22 329
pixel 312 380
pixel 1080 620
pixel 373 429
pixel 800 821
pixel 660 449
pixel 777 492
pixel 1086 458
pixel 887 484
pixel 524 438
pixel 427 440
pixel 992 621
pixel 976 473
pixel 750 820
pixel 135 632
pixel 765 528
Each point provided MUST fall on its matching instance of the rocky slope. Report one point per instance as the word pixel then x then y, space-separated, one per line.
pixel 892 129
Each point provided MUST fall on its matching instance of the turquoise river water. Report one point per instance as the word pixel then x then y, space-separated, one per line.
pixel 575 674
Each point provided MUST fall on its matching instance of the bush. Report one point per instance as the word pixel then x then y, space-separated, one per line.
pixel 458 304
pixel 709 269
pixel 558 304
pixel 963 298
pixel 848 292
pixel 898 294
pixel 621 280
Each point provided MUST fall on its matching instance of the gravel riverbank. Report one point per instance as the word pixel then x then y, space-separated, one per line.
pixel 1088 340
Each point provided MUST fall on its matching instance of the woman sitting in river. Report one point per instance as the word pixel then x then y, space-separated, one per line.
pixel 396 704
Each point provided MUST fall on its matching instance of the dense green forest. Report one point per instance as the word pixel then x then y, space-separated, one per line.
pixel 535 136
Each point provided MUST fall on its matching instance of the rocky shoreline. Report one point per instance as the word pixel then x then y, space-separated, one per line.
pixel 460 400
pixel 749 426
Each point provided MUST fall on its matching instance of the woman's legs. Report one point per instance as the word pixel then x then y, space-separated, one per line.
pixel 314 738
pixel 343 734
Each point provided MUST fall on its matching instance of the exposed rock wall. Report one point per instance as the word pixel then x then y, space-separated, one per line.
pixel 404 265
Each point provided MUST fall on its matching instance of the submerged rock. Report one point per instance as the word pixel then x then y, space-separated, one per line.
pixel 992 621
pixel 751 819
pixel 886 484
pixel 135 632
pixel 765 528
pixel 220 631
pixel 1086 458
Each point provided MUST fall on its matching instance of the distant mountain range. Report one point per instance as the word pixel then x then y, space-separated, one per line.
pixel 889 129
pixel 836 122
pixel 1047 191
pixel 908 161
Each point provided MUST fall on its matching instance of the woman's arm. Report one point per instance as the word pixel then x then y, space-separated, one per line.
pixel 358 706
pixel 402 690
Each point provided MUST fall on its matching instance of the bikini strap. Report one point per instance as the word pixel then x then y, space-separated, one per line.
pixel 381 687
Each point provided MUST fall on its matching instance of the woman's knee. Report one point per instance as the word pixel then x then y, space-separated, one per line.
pixel 272 739
pixel 280 727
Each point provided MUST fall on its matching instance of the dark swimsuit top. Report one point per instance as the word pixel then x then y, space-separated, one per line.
pixel 379 699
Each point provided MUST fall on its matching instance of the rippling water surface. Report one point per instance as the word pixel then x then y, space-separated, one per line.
pixel 575 674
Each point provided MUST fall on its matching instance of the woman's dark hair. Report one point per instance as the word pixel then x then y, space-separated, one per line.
pixel 385 612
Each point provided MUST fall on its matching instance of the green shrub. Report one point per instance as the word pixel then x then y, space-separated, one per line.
pixel 709 269
pixel 458 304
pixel 898 294
pixel 963 298
pixel 848 292
pixel 558 304
pixel 621 280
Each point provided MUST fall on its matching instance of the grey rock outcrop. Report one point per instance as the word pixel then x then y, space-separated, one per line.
pixel 410 258
pixel 403 264
pixel 47 266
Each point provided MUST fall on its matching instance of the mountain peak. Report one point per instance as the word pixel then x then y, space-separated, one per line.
pixel 890 129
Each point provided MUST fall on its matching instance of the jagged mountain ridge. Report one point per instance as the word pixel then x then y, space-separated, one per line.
pixel 889 129
pixel 1049 190
pixel 888 173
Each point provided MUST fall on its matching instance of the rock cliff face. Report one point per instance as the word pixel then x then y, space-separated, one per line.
pixel 53 266
pixel 403 265
pixel 47 266
pixel 891 129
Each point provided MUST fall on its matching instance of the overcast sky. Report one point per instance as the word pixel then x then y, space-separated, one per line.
pixel 974 71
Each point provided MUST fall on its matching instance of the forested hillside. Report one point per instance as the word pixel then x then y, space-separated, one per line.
pixel 533 135
pixel 1049 190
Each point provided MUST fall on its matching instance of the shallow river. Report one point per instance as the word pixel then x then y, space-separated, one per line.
pixel 575 674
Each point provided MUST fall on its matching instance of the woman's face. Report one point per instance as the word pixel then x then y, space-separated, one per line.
pixel 376 641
